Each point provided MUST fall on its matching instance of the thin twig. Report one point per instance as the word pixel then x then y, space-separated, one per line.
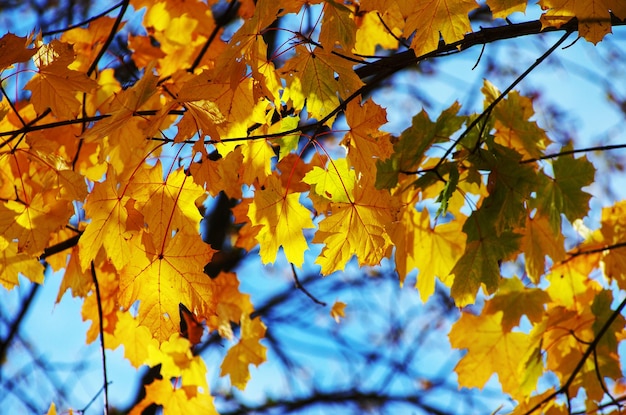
pixel 575 151
pixel 109 40
pixel 101 327
pixel 212 37
pixel 84 22
pixel 304 290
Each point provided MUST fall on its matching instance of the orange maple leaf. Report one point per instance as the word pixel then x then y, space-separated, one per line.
pixel 56 86
pixel 14 49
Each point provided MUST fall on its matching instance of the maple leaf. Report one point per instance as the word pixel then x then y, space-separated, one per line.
pixel 564 194
pixel 247 351
pixel 310 76
pixel 356 228
pixel 504 8
pixel 107 207
pixel 538 241
pixel 371 31
pixel 236 102
pixel 231 304
pixel 137 340
pixel 281 219
pixel 14 49
pixel 613 231
pixel 55 87
pixel 510 185
pixel 569 282
pixel 594 20
pixel 123 105
pixel 336 183
pixel 338 26
pixel 185 400
pixel 162 275
pixel 166 205
pixel 515 300
pixel 480 263
pixel 177 361
pixel 13 263
pixel 31 223
pixel 490 350
pixel 338 311
pixel 513 128
pixel 434 250
pixel 433 18
pixel 219 175
pixel 366 143
pixel 410 151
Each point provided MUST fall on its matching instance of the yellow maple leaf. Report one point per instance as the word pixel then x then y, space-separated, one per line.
pixel 13 262
pixel 515 300
pixel 219 175
pixel 177 360
pixel 310 76
pixel 570 285
pixel 185 400
pixel 613 231
pixel 356 228
pixel 281 218
pixel 169 204
pixel 124 105
pixel 247 351
pixel 434 250
pixel 433 18
pixel 335 183
pixel 371 32
pixel 32 222
pixel 490 350
pixel 594 20
pixel 162 275
pixel 106 205
pixel 136 339
pixel 504 8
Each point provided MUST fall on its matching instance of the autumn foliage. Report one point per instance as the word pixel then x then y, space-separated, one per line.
pixel 107 182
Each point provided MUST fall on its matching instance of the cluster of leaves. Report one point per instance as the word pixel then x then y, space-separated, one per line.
pixel 86 186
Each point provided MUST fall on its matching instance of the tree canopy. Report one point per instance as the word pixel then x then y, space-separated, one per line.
pixel 148 150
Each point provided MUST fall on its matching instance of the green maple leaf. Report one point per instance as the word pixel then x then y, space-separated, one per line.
pixel 480 263
pixel 563 193
pixel 410 150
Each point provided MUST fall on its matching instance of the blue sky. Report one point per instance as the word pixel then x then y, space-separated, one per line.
pixel 57 334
